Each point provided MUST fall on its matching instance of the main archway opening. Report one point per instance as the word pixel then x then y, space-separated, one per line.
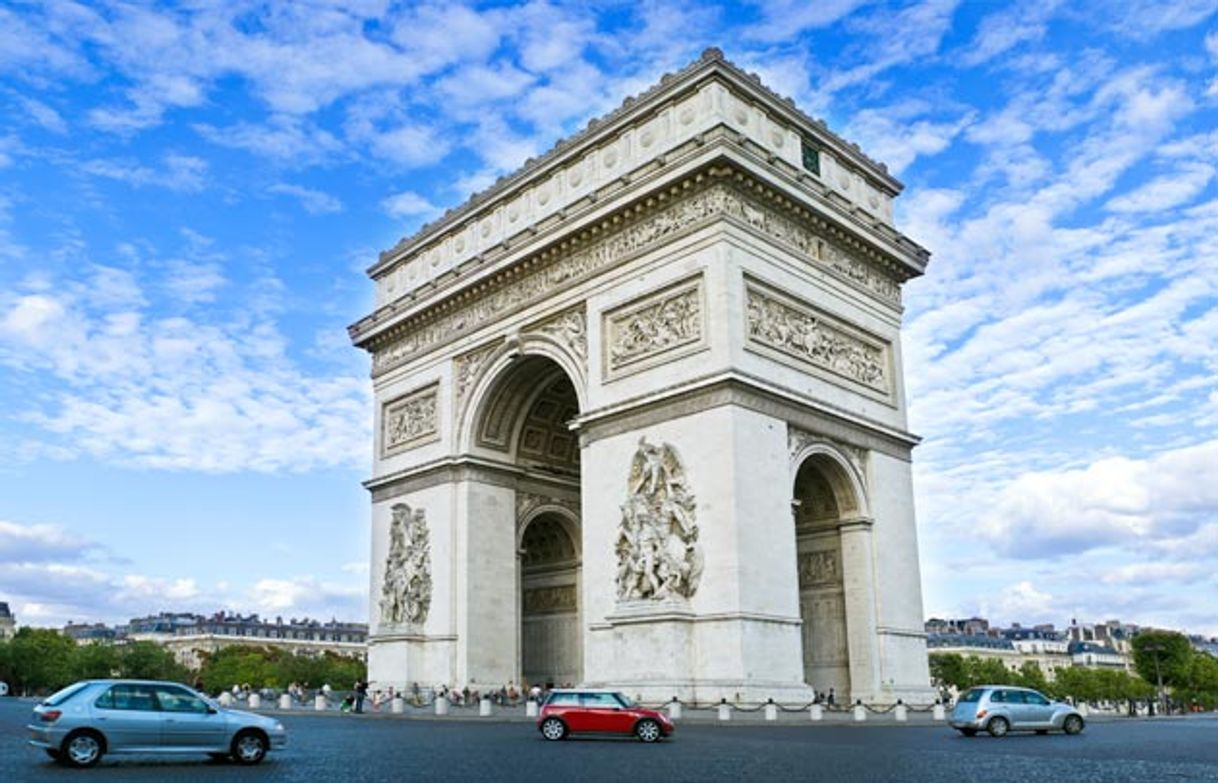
pixel 526 417
pixel 823 498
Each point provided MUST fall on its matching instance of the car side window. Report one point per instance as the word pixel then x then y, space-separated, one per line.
pixel 998 697
pixel 178 700
pixel 128 697
pixel 1035 698
pixel 563 699
pixel 600 701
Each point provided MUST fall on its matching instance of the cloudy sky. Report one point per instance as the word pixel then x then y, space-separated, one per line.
pixel 189 195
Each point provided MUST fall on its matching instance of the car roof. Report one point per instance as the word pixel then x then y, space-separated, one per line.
pixel 1004 687
pixel 585 690
pixel 121 681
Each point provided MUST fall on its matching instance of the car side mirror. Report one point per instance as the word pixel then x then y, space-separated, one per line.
pixel 211 710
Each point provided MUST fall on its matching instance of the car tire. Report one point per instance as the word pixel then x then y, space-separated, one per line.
pixel 1073 724
pixel 249 747
pixel 553 729
pixel 82 748
pixel 998 727
pixel 969 732
pixel 648 730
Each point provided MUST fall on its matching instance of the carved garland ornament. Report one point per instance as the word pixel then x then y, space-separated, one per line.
pixel 406 589
pixel 410 420
pixel 803 333
pixel 658 324
pixel 542 280
pixel 658 553
pixel 465 372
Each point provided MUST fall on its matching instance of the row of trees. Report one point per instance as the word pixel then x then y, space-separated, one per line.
pixel 1188 675
pixel 41 660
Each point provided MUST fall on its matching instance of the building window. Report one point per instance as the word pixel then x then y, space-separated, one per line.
pixel 811 158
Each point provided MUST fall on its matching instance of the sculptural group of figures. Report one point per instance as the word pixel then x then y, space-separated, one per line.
pixel 657 545
pixel 406 590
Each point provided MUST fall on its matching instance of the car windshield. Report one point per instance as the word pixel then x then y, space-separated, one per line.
pixel 624 699
pixel 59 697
pixel 972 695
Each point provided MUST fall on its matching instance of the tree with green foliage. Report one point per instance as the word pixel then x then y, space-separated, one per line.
pixel 1163 654
pixel 269 667
pixel 149 661
pixel 38 660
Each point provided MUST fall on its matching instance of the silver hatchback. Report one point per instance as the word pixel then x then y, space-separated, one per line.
pixel 1000 709
pixel 84 721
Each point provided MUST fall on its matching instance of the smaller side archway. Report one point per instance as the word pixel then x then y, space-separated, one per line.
pixel 827 493
pixel 551 650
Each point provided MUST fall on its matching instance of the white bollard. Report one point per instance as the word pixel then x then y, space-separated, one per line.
pixel 901 712
pixel 771 711
pixel 226 699
pixel 319 702
pixel 725 711
pixel 484 708
pixel 441 705
pixel 674 710
pixel 940 712
pixel 285 701
pixel 398 705
pixel 860 713
pixel 530 709
pixel 1084 709
pixel 816 712
pixel 255 701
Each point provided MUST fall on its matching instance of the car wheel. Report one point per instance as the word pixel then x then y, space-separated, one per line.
pixel 969 732
pixel 1073 724
pixel 249 747
pixel 553 729
pixel 81 749
pixel 998 727
pixel 648 730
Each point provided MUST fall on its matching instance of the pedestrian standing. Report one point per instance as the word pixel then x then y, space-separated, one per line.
pixel 361 693
pixel 831 698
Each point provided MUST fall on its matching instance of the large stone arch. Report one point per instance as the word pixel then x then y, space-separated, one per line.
pixel 501 365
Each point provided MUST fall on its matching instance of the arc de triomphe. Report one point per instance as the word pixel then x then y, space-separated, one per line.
pixel 640 418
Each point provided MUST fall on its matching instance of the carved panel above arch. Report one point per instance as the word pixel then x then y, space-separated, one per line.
pixel 569 328
pixel 787 328
pixel 410 420
pixel 465 372
pixel 655 328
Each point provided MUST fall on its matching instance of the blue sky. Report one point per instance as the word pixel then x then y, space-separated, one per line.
pixel 189 195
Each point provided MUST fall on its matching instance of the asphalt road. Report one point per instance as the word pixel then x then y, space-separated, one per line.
pixel 373 748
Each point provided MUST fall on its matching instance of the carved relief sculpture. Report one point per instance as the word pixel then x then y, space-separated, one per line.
pixel 802 333
pixel 565 270
pixel 663 322
pixel 406 589
pixel 818 568
pixel 465 371
pixel 409 421
pixel 559 598
pixel 570 329
pixel 658 553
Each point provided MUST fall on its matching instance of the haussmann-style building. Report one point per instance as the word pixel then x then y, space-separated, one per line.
pixel 640 417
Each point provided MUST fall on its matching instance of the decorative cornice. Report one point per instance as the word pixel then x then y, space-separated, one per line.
pixel 683 206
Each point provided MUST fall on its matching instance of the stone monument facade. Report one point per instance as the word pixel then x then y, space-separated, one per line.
pixel 640 419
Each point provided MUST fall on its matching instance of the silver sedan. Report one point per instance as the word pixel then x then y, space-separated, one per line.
pixel 999 709
pixel 84 721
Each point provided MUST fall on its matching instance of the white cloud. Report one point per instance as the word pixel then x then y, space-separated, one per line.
pixel 177 172
pixel 407 204
pixel 315 202
pixel 21 544
pixel 1112 502
pixel 1165 192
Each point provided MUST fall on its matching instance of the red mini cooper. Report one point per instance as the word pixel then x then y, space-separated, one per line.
pixel 599 712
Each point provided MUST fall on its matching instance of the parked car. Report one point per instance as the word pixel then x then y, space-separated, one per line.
pixel 88 719
pixel 1000 709
pixel 587 711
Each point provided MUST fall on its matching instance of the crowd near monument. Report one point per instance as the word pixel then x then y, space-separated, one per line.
pixel 640 418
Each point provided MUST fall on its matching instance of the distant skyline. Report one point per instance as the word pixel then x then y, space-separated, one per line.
pixel 189 196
